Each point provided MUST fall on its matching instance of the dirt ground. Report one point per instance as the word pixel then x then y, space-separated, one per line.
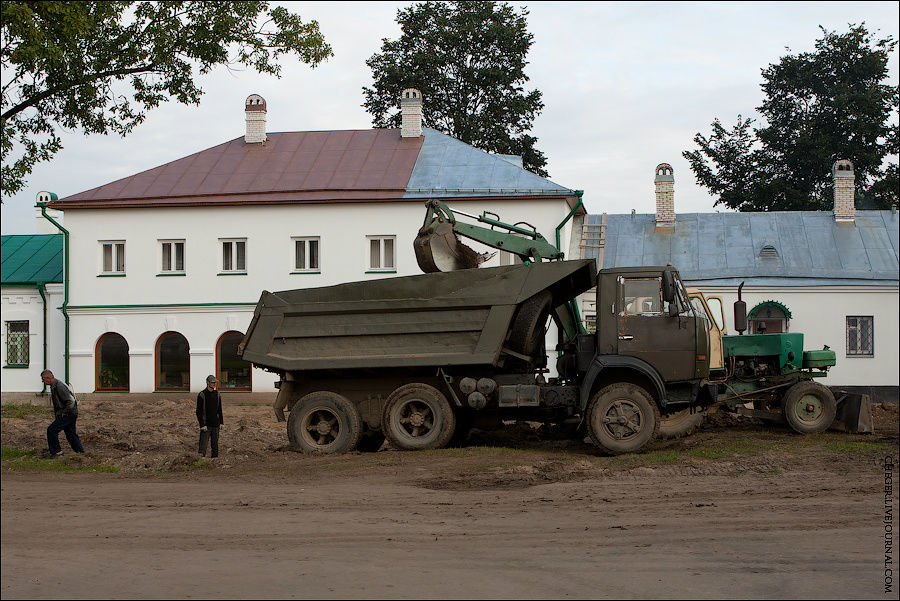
pixel 737 510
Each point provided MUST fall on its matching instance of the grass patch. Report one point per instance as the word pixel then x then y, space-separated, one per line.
pixel 20 410
pixel 852 447
pixel 725 450
pixel 647 459
pixel 23 460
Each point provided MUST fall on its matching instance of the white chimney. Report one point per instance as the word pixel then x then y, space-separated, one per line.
pixel 43 224
pixel 255 111
pixel 665 195
pixel 411 113
pixel 844 190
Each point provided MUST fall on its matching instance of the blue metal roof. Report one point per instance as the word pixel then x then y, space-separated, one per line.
pixel 447 167
pixel 31 259
pixel 806 248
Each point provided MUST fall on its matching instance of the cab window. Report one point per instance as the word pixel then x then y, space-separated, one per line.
pixel 642 296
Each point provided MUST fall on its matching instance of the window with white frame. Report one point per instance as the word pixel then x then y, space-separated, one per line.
pixel 860 336
pixel 17 343
pixel 171 256
pixel 234 255
pixel 306 254
pixel 382 255
pixel 112 257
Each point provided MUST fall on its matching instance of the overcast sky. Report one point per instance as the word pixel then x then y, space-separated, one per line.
pixel 626 86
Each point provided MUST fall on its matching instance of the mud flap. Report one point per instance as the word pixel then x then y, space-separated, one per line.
pixel 854 413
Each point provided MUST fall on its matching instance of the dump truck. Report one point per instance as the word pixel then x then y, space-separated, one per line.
pixel 418 359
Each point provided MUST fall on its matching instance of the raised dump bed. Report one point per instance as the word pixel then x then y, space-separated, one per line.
pixel 436 319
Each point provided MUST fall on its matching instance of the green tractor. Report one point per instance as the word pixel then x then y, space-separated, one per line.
pixel 772 372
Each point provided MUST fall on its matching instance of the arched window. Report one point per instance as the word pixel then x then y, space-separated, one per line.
pixel 173 362
pixel 232 371
pixel 111 359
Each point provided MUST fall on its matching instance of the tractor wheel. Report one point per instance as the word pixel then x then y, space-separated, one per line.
pixel 325 422
pixel 809 407
pixel 680 423
pixel 622 418
pixel 417 417
pixel 527 331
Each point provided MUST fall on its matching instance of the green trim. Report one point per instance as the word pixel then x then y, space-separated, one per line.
pixel 317 272
pixel 110 275
pixel 16 366
pixel 171 305
pixel 382 271
pixel 769 303
pixel 170 275
pixel 232 273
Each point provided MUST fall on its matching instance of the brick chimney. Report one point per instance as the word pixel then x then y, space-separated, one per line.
pixel 411 113
pixel 844 190
pixel 255 111
pixel 665 195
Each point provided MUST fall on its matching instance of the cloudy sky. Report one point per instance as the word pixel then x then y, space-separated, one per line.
pixel 626 86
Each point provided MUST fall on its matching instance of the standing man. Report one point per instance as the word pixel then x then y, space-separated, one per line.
pixel 65 411
pixel 209 414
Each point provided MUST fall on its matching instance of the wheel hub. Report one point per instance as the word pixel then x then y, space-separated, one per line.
pixel 623 419
pixel 810 408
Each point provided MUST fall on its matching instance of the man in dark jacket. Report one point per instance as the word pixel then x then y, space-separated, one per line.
pixel 209 414
pixel 65 412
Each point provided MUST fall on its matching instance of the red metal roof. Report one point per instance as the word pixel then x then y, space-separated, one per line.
pixel 316 166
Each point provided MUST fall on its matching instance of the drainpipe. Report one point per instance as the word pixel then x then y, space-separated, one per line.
pixel 65 305
pixel 574 304
pixel 578 205
pixel 42 290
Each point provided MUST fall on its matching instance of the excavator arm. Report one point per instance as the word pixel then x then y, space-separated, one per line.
pixel 438 248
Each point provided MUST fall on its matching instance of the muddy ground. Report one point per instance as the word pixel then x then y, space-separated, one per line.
pixel 737 510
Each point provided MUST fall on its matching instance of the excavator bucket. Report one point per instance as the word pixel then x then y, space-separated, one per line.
pixel 438 249
pixel 854 412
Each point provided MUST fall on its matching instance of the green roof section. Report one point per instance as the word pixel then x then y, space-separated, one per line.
pixel 31 259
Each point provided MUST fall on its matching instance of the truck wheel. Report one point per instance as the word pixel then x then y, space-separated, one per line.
pixel 680 423
pixel 417 416
pixel 622 418
pixel 809 407
pixel 325 422
pixel 527 331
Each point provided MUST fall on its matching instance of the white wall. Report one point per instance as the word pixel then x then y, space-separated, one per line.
pixel 820 315
pixel 25 304
pixel 142 305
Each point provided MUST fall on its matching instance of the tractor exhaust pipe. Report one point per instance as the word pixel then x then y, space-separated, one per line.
pixel 740 313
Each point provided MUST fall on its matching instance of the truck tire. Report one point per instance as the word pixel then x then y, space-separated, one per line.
pixel 324 422
pixel 417 417
pixel 527 331
pixel 680 423
pixel 809 407
pixel 622 418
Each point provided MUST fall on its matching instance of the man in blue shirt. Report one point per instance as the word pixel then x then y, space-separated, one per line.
pixel 65 411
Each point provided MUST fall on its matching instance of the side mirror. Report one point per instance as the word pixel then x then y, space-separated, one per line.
pixel 668 286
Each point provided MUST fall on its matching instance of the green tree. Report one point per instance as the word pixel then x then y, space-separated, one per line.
pixel 819 107
pixel 100 66
pixel 468 60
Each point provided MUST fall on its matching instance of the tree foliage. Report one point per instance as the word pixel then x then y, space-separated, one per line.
pixel 468 59
pixel 819 107
pixel 100 66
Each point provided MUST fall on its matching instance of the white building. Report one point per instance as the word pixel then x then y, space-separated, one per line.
pixel 32 291
pixel 166 265
pixel 831 275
